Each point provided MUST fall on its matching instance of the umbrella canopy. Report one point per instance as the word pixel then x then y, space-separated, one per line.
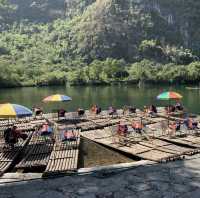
pixel 57 98
pixel 169 95
pixel 9 110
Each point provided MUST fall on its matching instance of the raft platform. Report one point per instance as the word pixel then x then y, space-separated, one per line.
pixel 64 157
pixel 142 147
pixel 37 153
pixel 192 141
pixel 8 156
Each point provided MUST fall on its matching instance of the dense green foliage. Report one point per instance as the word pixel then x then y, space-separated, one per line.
pixel 111 41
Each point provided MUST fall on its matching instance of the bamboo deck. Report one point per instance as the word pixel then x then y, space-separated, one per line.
pixel 192 141
pixel 37 153
pixel 64 157
pixel 100 123
pixel 28 127
pixel 154 150
pixel 97 124
pixel 8 155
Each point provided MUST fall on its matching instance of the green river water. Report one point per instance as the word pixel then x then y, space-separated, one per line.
pixel 104 96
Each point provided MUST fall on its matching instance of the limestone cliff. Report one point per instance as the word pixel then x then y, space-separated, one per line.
pixel 173 21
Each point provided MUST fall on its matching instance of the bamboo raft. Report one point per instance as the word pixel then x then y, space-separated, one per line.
pixel 162 145
pixel 85 124
pixel 68 116
pixel 100 123
pixel 97 124
pixel 37 153
pixel 8 156
pixel 64 157
pixel 142 147
pixel 22 127
pixel 192 141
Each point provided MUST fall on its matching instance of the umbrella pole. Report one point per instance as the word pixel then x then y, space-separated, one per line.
pixel 168 112
pixel 58 112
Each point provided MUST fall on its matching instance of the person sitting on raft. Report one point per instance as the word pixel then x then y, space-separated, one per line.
pixel 145 109
pixel 132 109
pixel 37 110
pixel 68 135
pixel 137 126
pixel 170 109
pixel 191 124
pixel 80 111
pixel 128 109
pixel 122 129
pixel 125 110
pixel 46 129
pixel 95 109
pixel 175 126
pixel 152 111
pixel 61 113
pixel 12 135
pixel 112 111
pixel 178 106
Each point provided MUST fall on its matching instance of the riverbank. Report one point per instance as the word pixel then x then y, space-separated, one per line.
pixel 175 179
pixel 134 82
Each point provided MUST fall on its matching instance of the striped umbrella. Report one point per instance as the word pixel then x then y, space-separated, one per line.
pixel 9 110
pixel 169 95
pixel 57 98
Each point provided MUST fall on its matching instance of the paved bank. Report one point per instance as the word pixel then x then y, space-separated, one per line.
pixel 175 179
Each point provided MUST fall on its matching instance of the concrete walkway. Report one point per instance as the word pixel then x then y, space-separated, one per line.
pixel 176 179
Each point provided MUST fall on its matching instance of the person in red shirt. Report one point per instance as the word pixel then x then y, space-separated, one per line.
pixel 46 129
pixel 137 126
pixel 122 129
pixel 61 113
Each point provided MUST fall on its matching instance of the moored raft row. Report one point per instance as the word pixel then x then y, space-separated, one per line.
pixel 154 150
pixel 62 156
pixel 97 124
pixel 168 147
pixel 68 116
pixel 109 121
pixel 189 140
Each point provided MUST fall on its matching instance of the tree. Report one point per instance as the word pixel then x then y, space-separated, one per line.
pixel 151 49
pixel 180 56
pixel 193 70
